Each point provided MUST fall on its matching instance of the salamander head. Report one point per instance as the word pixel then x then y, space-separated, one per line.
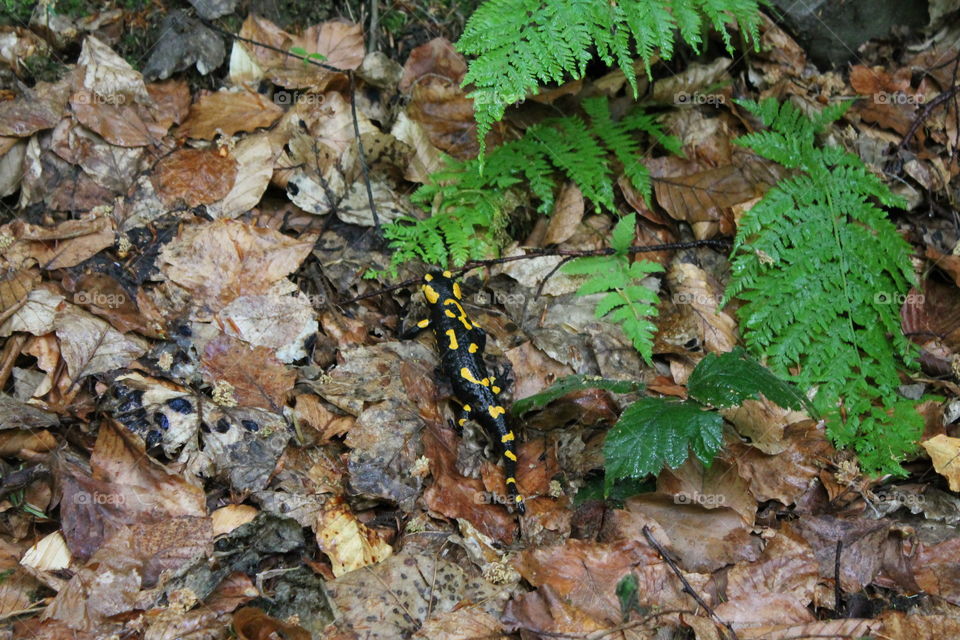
pixel 439 285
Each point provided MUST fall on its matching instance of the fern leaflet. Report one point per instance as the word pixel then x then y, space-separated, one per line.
pixel 817 265
pixel 522 44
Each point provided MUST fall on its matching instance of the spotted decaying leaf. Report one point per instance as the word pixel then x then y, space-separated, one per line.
pixel 157 410
pixel 396 597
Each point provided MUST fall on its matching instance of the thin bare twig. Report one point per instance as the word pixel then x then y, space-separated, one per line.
pixel 686 585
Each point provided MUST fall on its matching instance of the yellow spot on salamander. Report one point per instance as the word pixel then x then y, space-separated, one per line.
pixel 463 314
pixel 453 339
pixel 430 294
pixel 473 348
pixel 462 421
pixel 423 324
pixel 519 499
pixel 485 382
pixel 496 389
pixel 467 408
pixel 466 375
pixel 511 480
pixel 507 438
pixel 428 278
pixel 456 291
pixel 447 274
pixel 496 411
pixel 510 455
pixel 450 314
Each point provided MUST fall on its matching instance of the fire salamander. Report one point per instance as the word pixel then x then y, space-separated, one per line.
pixel 461 343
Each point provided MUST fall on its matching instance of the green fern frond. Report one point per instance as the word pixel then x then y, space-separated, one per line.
pixel 817 266
pixel 626 302
pixel 520 45
pixel 468 207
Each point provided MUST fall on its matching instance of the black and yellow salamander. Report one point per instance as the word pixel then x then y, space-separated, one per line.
pixel 461 343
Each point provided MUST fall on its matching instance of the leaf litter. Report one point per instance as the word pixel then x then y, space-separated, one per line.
pixel 198 432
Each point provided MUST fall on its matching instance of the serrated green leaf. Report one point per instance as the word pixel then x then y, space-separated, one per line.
pixel 609 302
pixel 623 233
pixel 569 384
pixel 727 379
pixel 653 432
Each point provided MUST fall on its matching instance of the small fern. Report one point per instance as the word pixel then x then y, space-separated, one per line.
pixel 628 303
pixel 817 265
pixel 468 207
pixel 522 44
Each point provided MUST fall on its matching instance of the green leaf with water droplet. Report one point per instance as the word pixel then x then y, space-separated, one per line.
pixel 655 431
pixel 726 380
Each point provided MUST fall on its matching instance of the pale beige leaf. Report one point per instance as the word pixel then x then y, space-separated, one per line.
pixel 11 168
pixel 347 542
pixel 254 156
pixel 107 74
pixel 90 345
pixel 567 214
pixel 427 158
pixel 944 451
pixel 49 554
pixel 226 519
pixel 281 323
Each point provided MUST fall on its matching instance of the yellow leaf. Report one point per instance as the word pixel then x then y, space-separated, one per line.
pixel 945 453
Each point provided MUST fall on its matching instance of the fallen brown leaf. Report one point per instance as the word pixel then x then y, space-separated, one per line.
pixel 227 112
pixel 191 177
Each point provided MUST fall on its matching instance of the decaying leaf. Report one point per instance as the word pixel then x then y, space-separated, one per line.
pixel 347 542
pixel 945 453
